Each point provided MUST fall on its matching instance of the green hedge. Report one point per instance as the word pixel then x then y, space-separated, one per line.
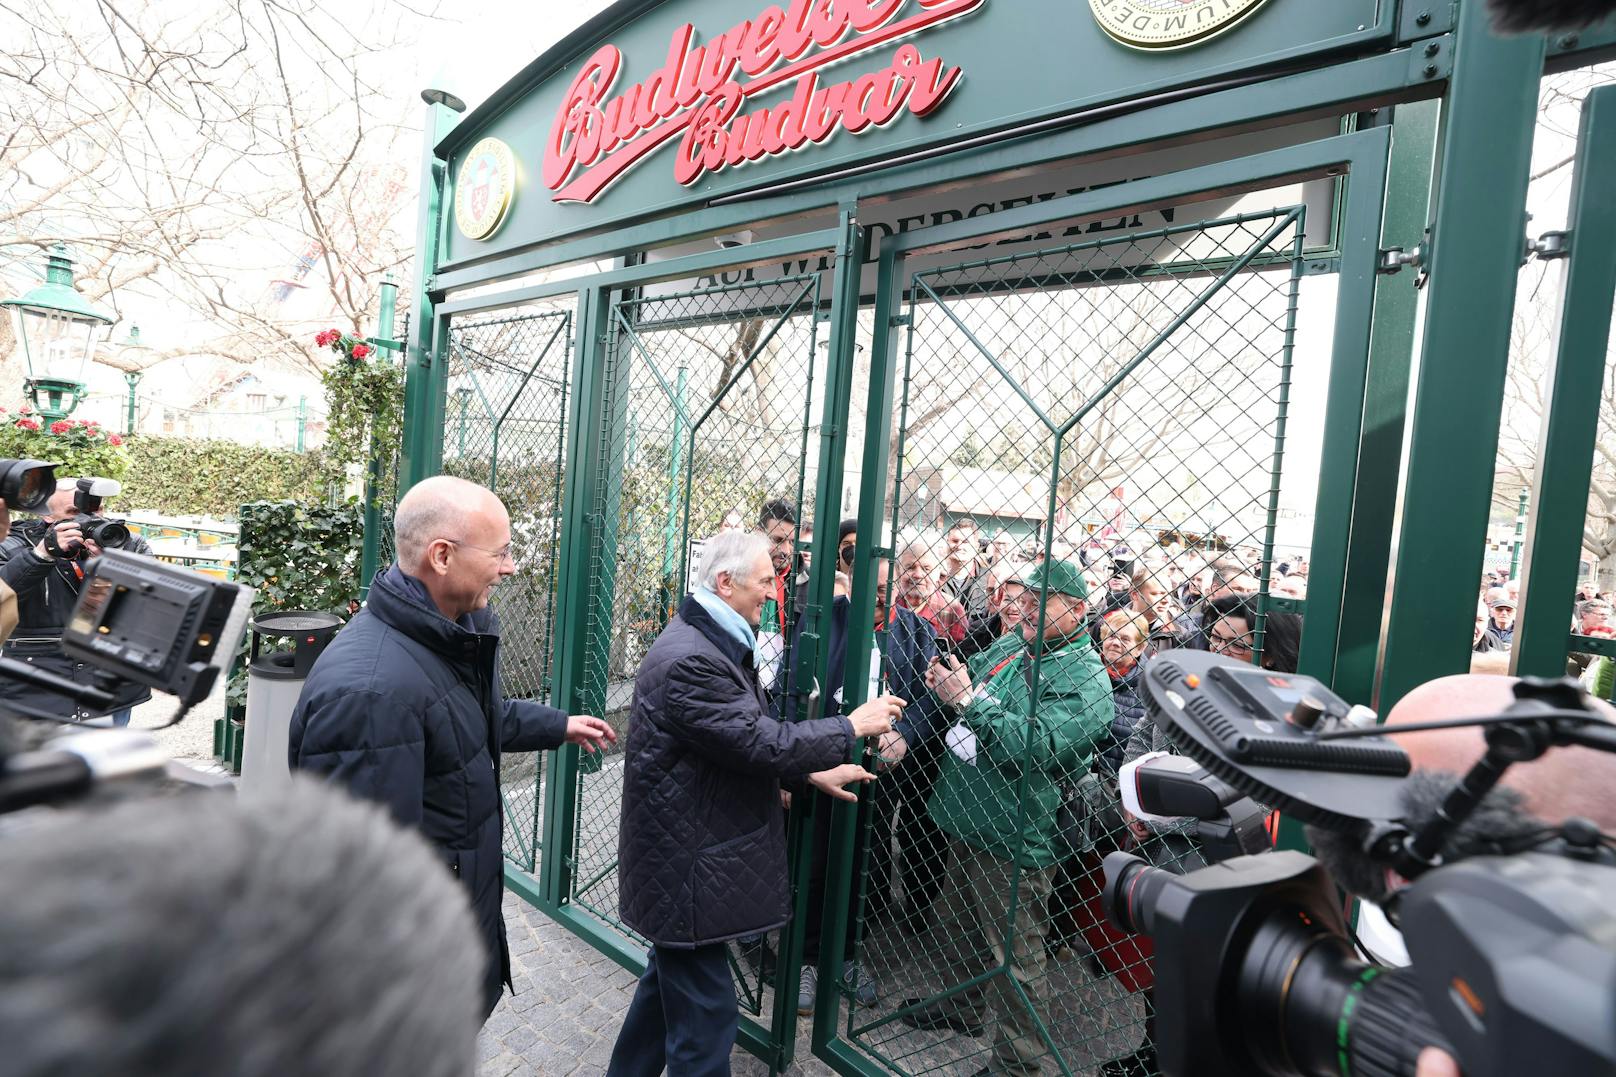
pixel 189 476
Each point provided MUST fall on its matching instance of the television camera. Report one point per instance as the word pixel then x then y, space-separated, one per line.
pixel 1513 953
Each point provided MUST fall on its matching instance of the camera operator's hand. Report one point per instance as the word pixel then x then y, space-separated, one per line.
pixel 830 781
pixel 1435 1062
pixel 874 718
pixel 67 538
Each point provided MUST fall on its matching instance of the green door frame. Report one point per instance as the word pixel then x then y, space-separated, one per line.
pixel 1362 156
pixel 1559 502
pixel 1474 259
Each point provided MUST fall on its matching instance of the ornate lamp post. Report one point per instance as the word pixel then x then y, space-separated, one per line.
pixel 57 328
pixel 135 352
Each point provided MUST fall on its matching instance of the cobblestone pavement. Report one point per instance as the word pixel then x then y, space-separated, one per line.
pixel 570 1000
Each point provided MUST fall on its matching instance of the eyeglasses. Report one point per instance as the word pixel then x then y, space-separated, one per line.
pixel 504 553
pixel 1220 644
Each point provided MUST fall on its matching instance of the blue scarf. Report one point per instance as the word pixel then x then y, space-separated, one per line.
pixel 725 615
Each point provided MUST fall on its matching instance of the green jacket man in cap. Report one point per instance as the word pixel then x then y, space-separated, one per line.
pixel 1030 713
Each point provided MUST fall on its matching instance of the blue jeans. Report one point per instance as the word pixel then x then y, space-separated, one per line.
pixel 121 718
pixel 683 1017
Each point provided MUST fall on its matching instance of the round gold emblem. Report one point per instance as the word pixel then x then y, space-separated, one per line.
pixel 484 187
pixel 1169 24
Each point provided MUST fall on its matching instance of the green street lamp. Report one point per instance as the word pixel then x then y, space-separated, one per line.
pixel 57 328
pixel 134 352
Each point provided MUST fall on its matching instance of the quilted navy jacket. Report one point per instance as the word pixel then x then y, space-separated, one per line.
pixel 405 708
pixel 701 850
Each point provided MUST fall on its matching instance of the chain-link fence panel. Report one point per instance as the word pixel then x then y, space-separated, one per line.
pixel 711 404
pixel 1086 471
pixel 505 427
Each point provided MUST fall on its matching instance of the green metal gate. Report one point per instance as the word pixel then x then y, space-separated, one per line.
pixel 507 388
pixel 695 402
pixel 1157 362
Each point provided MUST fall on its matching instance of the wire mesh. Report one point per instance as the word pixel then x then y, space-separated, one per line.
pixel 710 402
pixel 505 427
pixel 1117 406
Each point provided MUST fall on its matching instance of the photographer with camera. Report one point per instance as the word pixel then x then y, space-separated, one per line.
pixel 42 560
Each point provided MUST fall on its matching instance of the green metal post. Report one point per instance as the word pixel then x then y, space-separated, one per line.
pixel 1475 258
pixel 671 587
pixel 462 399
pixel 841 877
pixel 132 379
pixel 302 420
pixel 1520 534
pixel 1346 659
pixel 1559 501
pixel 370 552
pixel 425 380
pixel 583 599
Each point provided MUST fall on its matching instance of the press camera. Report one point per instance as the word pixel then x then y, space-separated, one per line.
pixel 136 620
pixel 107 533
pixel 1513 955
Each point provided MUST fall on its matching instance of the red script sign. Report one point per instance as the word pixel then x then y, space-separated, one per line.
pixel 696 96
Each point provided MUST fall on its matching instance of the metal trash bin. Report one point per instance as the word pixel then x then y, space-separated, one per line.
pixel 274 681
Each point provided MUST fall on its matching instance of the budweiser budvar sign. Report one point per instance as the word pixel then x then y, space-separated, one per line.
pixel 699 96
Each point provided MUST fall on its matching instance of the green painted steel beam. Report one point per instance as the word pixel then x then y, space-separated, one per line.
pixel 1474 261
pixel 1560 482
pixel 1146 126
pixel 1346 658
pixel 421 453
pixel 575 595
pixel 842 874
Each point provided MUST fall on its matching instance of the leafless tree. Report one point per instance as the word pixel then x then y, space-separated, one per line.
pixel 224 158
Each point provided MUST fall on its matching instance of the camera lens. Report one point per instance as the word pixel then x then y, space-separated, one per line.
pixel 1131 888
pixel 108 534
pixel 26 485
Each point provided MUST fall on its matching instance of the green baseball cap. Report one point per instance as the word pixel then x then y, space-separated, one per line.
pixel 1060 577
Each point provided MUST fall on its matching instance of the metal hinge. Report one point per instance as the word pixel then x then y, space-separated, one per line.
pixel 899 320
pixel 1393 259
pixel 1548 246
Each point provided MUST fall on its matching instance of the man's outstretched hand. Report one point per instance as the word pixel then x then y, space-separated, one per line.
pixel 589 733
pixel 830 782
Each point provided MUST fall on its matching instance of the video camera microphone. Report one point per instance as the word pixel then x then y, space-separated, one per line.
pixel 1526 16
pixel 1514 964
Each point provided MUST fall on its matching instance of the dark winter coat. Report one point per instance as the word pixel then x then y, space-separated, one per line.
pixel 405 708
pixel 1130 712
pixel 702 847
pixel 909 645
pixel 47 590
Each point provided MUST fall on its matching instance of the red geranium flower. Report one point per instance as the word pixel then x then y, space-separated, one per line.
pixel 26 410
pixel 361 350
pixel 27 424
pixel 60 426
pixel 114 439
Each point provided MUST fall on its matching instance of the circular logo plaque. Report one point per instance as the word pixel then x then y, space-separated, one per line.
pixel 483 190
pixel 1169 24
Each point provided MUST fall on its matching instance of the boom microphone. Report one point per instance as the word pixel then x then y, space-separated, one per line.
pixel 201 933
pixel 1548 16
pixel 1501 824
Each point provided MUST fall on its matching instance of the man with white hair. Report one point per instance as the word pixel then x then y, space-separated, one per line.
pixel 405 706
pixel 702 847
